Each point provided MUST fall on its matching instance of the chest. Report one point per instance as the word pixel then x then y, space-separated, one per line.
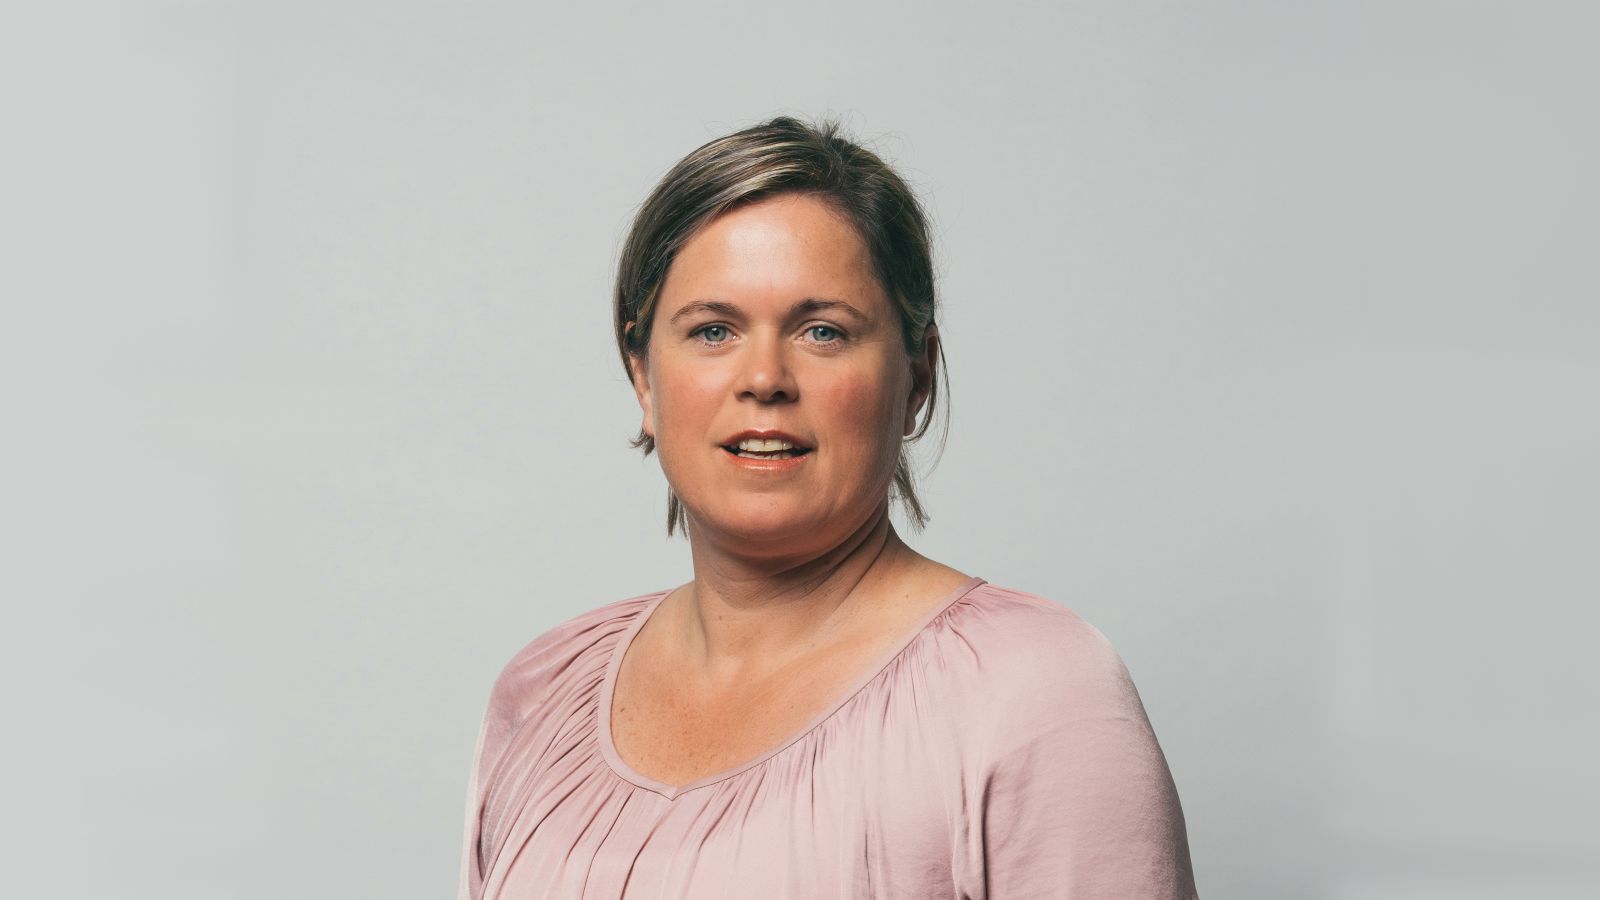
pixel 823 819
pixel 862 808
pixel 670 728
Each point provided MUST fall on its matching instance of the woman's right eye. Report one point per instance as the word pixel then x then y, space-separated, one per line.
pixel 712 334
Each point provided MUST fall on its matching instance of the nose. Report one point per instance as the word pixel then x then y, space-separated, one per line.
pixel 764 372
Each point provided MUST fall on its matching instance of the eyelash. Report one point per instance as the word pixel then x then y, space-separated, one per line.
pixel 840 335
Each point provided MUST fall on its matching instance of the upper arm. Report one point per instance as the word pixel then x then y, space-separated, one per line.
pixel 503 711
pixel 470 872
pixel 1078 800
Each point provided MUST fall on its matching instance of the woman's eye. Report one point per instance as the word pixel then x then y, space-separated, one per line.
pixel 713 334
pixel 824 334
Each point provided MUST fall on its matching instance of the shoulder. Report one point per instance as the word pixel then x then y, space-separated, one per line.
pixel 1031 637
pixel 1076 794
pixel 573 650
pixel 1037 661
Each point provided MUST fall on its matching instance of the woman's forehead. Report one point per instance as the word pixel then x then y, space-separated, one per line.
pixel 778 249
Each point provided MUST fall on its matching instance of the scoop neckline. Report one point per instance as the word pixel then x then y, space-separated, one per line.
pixel 626 772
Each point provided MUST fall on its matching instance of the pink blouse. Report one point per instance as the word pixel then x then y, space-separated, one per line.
pixel 999 751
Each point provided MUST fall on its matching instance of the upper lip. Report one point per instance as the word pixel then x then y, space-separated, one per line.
pixel 772 435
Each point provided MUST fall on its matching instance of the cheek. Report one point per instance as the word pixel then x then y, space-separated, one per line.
pixel 868 412
pixel 683 401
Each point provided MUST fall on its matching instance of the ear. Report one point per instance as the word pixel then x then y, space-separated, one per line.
pixel 638 373
pixel 923 368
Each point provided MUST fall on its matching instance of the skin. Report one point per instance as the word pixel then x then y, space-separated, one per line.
pixel 800 581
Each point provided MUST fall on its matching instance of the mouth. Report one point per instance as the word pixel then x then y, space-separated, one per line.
pixel 778 449
pixel 767 454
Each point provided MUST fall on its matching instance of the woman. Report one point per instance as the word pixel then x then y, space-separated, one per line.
pixel 822 711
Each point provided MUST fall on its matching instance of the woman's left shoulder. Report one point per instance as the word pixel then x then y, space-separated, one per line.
pixel 1076 794
pixel 1034 628
pixel 1029 648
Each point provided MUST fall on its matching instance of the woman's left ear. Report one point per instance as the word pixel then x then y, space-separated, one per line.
pixel 922 371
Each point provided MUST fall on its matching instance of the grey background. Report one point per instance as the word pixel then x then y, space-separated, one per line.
pixel 1273 341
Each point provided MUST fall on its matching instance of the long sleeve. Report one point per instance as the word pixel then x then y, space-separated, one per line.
pixel 1079 803
pixel 471 876
pixel 502 712
pixel 471 879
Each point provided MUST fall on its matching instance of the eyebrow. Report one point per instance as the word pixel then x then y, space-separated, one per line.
pixel 804 308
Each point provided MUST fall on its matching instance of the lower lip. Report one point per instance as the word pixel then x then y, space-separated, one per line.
pixel 766 465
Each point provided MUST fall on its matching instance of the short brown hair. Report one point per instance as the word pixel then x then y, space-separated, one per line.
pixel 785 155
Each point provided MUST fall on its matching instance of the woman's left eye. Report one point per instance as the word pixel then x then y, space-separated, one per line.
pixel 828 334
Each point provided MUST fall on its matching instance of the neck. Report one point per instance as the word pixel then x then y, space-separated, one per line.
pixel 740 615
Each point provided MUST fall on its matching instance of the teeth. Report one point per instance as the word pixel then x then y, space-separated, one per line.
pixel 781 454
pixel 764 445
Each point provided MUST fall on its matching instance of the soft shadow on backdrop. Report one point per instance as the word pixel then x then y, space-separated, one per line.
pixel 1272 340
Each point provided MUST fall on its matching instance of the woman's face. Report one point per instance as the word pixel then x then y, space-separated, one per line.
pixel 770 319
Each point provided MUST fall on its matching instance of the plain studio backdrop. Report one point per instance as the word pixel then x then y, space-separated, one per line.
pixel 1273 345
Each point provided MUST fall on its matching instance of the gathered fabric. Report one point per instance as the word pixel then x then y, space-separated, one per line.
pixel 999 751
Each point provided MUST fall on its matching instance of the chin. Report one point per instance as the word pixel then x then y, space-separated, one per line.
pixel 764 523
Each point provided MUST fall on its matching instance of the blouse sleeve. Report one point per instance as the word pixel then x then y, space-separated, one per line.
pixel 1079 803
pixel 499 718
pixel 470 879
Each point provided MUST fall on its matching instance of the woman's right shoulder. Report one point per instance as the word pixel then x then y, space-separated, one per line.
pixel 574 649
